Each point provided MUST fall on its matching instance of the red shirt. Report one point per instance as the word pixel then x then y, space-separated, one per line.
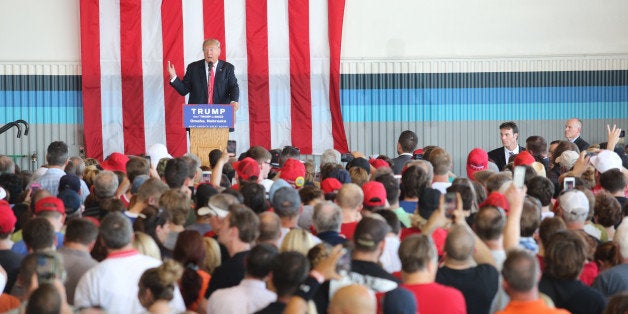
pixel 347 229
pixel 431 298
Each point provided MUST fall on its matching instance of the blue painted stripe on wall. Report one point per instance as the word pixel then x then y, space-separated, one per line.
pixel 43 115
pixel 353 97
pixel 41 98
pixel 484 112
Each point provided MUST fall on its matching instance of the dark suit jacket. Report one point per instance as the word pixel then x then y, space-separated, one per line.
pixel 399 162
pixel 497 156
pixel 194 82
pixel 581 143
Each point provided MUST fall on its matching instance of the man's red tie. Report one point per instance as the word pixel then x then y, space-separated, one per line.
pixel 210 86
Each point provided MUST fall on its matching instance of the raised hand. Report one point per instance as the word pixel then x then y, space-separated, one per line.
pixel 171 70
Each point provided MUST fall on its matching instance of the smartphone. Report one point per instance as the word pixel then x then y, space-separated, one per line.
pixel 451 203
pixel 35 186
pixel 231 148
pixel 569 183
pixel 591 154
pixel 519 176
pixel 206 176
pixel 343 267
pixel 47 268
pixel 147 158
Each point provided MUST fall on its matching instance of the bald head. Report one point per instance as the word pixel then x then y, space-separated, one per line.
pixel 459 244
pixel 350 196
pixel 351 299
pixel 270 228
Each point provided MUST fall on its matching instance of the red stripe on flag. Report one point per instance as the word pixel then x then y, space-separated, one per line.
pixel 258 82
pixel 91 86
pixel 300 88
pixel 172 37
pixel 214 22
pixel 132 76
pixel 335 15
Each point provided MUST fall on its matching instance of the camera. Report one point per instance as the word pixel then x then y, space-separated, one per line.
pixel 346 157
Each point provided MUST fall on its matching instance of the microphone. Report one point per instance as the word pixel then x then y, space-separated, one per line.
pixel 210 65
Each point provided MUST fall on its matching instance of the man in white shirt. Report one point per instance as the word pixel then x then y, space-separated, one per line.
pixel 113 283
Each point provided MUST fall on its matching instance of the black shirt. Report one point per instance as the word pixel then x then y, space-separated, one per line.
pixel 273 308
pixel 332 237
pixel 228 274
pixel 10 261
pixel 572 295
pixel 478 285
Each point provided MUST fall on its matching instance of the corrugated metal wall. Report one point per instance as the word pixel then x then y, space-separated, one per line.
pixel 48 97
pixel 456 104
pixel 459 104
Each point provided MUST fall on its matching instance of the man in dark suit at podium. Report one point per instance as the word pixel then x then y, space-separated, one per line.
pixel 209 76
pixel 508 133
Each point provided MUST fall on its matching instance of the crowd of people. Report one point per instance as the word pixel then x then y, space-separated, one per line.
pixel 527 229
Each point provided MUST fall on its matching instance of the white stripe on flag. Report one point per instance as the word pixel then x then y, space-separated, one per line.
pixel 193 36
pixel 319 77
pixel 235 41
pixel 279 72
pixel 153 68
pixel 111 93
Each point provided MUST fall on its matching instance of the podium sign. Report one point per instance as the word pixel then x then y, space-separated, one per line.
pixel 208 116
pixel 209 128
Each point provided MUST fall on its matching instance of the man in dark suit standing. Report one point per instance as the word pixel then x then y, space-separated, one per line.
pixel 208 81
pixel 405 147
pixel 573 127
pixel 509 133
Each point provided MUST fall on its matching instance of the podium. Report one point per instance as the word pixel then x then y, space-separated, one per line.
pixel 209 128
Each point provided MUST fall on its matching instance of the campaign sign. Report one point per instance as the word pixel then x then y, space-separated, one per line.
pixel 208 116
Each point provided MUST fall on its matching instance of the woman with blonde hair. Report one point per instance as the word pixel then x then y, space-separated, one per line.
pixel 298 240
pixel 157 286
pixel 212 255
pixel 145 245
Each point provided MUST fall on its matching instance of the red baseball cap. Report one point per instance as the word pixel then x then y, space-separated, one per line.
pixel 374 194
pixel 476 161
pixel 378 163
pixel 247 168
pixel 7 217
pixel 115 162
pixel 524 158
pixel 330 185
pixel 293 171
pixel 496 199
pixel 49 203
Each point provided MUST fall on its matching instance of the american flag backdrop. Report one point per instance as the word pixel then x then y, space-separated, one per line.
pixel 286 54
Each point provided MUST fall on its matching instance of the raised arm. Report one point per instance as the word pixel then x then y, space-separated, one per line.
pixel 512 231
